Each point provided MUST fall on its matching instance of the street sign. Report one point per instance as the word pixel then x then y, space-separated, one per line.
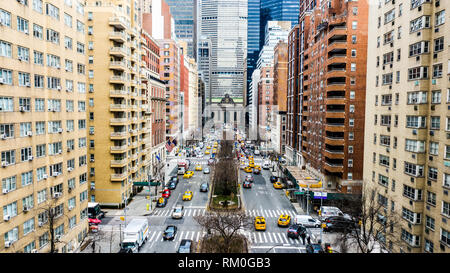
pixel 140 183
pixel 320 195
pixel 299 193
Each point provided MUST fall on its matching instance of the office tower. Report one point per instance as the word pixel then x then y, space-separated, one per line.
pixel 225 23
pixel 275 31
pixel 43 85
pixel 170 72
pixel 182 12
pixel 407 151
pixel 334 86
pixel 119 129
pixel 294 97
pixel 156 98
pixel 259 13
pixel 280 78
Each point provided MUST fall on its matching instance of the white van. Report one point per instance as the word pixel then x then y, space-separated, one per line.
pixel 306 221
pixel 327 211
pixel 266 165
pixel 181 170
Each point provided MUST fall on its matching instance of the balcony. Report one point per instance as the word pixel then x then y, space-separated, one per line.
pixel 117 65
pixel 118 121
pixel 119 135
pixel 331 140
pixel 118 80
pixel 118 22
pixel 134 169
pixel 119 93
pixel 333 154
pixel 118 163
pixel 335 127
pixel 118 107
pixel 119 176
pixel 334 167
pixel 119 37
pixel 118 51
pixel 338 31
pixel 119 149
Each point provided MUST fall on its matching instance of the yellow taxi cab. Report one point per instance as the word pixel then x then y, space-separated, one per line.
pixel 284 220
pixel 188 174
pixel 250 157
pixel 208 147
pixel 248 169
pixel 214 151
pixel 187 196
pixel 207 152
pixel 260 223
pixel 278 185
pixel 257 167
pixel 198 167
pixel 251 164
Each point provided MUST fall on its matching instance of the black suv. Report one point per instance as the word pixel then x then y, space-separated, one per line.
pixel 204 187
pixel 339 223
pixel 294 231
pixel 185 246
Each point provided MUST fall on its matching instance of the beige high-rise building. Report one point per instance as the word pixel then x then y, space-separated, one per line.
pixel 119 129
pixel 407 132
pixel 43 85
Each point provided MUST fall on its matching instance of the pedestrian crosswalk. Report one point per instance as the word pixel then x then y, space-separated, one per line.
pixel 266 213
pixel 265 237
pixel 187 212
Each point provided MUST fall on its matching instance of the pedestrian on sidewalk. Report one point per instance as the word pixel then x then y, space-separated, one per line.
pixel 309 239
pixel 303 235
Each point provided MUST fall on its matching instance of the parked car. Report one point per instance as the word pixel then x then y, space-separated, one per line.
pixel 166 193
pixel 204 187
pixel 162 202
pixel 294 231
pixel 314 248
pixel 174 179
pixel 172 185
pixel 185 246
pixel 170 232
pixel 307 221
pixel 273 179
pixel 125 250
pixel 206 170
pixel 249 178
pixel 178 212
pixel 338 223
pixel 247 184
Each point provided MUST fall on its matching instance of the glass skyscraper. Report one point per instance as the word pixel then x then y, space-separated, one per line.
pixel 183 14
pixel 259 13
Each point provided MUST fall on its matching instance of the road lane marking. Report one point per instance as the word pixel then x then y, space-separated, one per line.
pixel 260 237
pixel 270 237
pixel 192 236
pixel 198 236
pixel 265 239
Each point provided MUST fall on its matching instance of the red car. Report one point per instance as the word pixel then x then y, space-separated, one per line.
pixel 247 184
pixel 166 193
pixel 94 221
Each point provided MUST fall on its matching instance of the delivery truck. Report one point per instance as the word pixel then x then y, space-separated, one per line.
pixel 183 166
pixel 135 234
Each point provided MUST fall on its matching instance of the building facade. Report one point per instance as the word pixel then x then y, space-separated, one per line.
pixel 119 131
pixel 43 127
pixel 407 147
pixel 334 86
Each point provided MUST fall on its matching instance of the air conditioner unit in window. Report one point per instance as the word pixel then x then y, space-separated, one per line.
pixel 71 207
pixel 59 151
pixel 29 133
pixel 59 88
pixel 58 238
pixel 4 163
pixel 55 174
pixel 3 136
pixel 414 132
pixel 5 191
pixel 45 176
pixel 21 108
pixel 40 224
pixel 60 130
pixel 57 195
pixel 25 208
pixel 70 169
pixel 7 244
pixel 6 218
pixel 34 251
pixel 2 81
pixel 92 187
pixel 30 158
pixel 92 160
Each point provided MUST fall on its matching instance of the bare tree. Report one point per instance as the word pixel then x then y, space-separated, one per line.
pixel 375 224
pixel 225 226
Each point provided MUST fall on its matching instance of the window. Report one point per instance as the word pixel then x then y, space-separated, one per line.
pixel 437 71
pixel 413 169
pixel 6 76
pixel 412 217
pixel 446 180
pixel 52 36
pixel 383 180
pixel 22 25
pixel 52 11
pixel 439 18
pixel 389 16
pixel 419 48
pixel 354 25
pixel 384 160
pixel 25 129
pixel 446 209
pixel 436 96
pixel 412 193
pixel 439 44
pixel 5 49
pixel 419 23
pixel 435 123
pixel 5 18
pixel 68 42
pixel 415 146
pixel 434 148
pixel 27 178
pixel 80 48
pixel 38 58
pixel 418 73
pixel 9 183
pixel 68 20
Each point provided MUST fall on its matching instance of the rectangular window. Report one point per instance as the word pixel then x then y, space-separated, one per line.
pixel 22 25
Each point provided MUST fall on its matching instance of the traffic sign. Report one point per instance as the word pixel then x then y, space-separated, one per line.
pixel 144 183
pixel 320 195
pixel 299 193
